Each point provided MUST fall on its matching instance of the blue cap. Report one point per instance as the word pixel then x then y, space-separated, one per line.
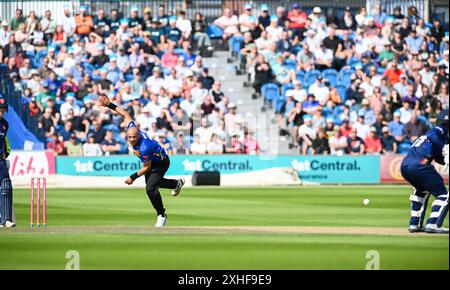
pixel 112 57
pixel 51 47
pixel 273 18
pixel 248 6
pixel 124 21
pixel 134 8
pixel 100 46
pixel 264 7
pixel 307 117
pixel 70 95
pixel 67 6
pixel 103 70
pixel 296 6
pixel 172 19
pixel 135 96
pixel 70 50
pixel 83 7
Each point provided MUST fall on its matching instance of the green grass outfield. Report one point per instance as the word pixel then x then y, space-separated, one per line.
pixel 323 227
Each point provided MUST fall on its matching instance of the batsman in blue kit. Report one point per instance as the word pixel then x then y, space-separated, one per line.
pixel 6 191
pixel 417 169
pixel 155 161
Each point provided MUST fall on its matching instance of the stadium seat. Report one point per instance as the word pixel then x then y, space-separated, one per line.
pixel 342 91
pixel 311 76
pixel 285 88
pixel 270 92
pixel 235 44
pixel 88 68
pixel 403 148
pixel 290 64
pixel 214 31
pixel 345 76
pixel 331 75
pixel 353 62
pixel 381 70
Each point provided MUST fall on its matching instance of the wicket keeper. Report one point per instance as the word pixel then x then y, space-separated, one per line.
pixel 6 191
pixel 155 161
pixel 417 169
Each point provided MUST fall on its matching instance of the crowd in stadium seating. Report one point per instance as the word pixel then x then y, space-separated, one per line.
pixel 61 64
pixel 368 83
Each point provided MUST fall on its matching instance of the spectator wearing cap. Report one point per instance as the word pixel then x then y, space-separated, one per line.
pixel 274 30
pixel 320 91
pixel 316 17
pixel 233 120
pixel 74 148
pixel 373 142
pixel 110 145
pixel 245 19
pixel 101 58
pixel 90 148
pixel 387 55
pixel 206 79
pixel 35 83
pixel 361 126
pixel 311 105
pixel 134 19
pixel 229 23
pixel 348 20
pixel 298 92
pixel 388 142
pixel 69 104
pixel 155 82
pixel 84 22
pixel 337 142
pixel 264 17
pixel 297 20
pixel 306 134
pixel 174 34
pixel 4 33
pixel 145 119
pixel 366 110
pixel 396 128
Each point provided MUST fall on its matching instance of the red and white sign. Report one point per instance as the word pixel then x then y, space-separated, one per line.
pixel 31 163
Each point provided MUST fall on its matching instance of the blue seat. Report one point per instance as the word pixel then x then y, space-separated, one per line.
pixel 235 44
pixel 285 88
pixel 290 64
pixel 403 148
pixel 381 70
pixel 331 75
pixel 353 62
pixel 345 76
pixel 342 91
pixel 214 31
pixel 270 92
pixel 88 68
pixel 312 75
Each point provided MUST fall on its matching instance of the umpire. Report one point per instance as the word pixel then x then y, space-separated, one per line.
pixel 6 197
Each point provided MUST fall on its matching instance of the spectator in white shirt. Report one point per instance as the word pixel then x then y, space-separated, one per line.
pixel 204 131
pixel 198 93
pixel 362 129
pixel 173 84
pixel 184 25
pixel 90 148
pixel 68 21
pixel 154 106
pixel 214 147
pixel 155 82
pixel 337 142
pixel 145 119
pixel 69 104
pixel 198 148
pixel 188 105
pixel 320 91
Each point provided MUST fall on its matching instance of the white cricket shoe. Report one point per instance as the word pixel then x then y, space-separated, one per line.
pixel 177 189
pixel 161 221
pixel 434 229
pixel 9 224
